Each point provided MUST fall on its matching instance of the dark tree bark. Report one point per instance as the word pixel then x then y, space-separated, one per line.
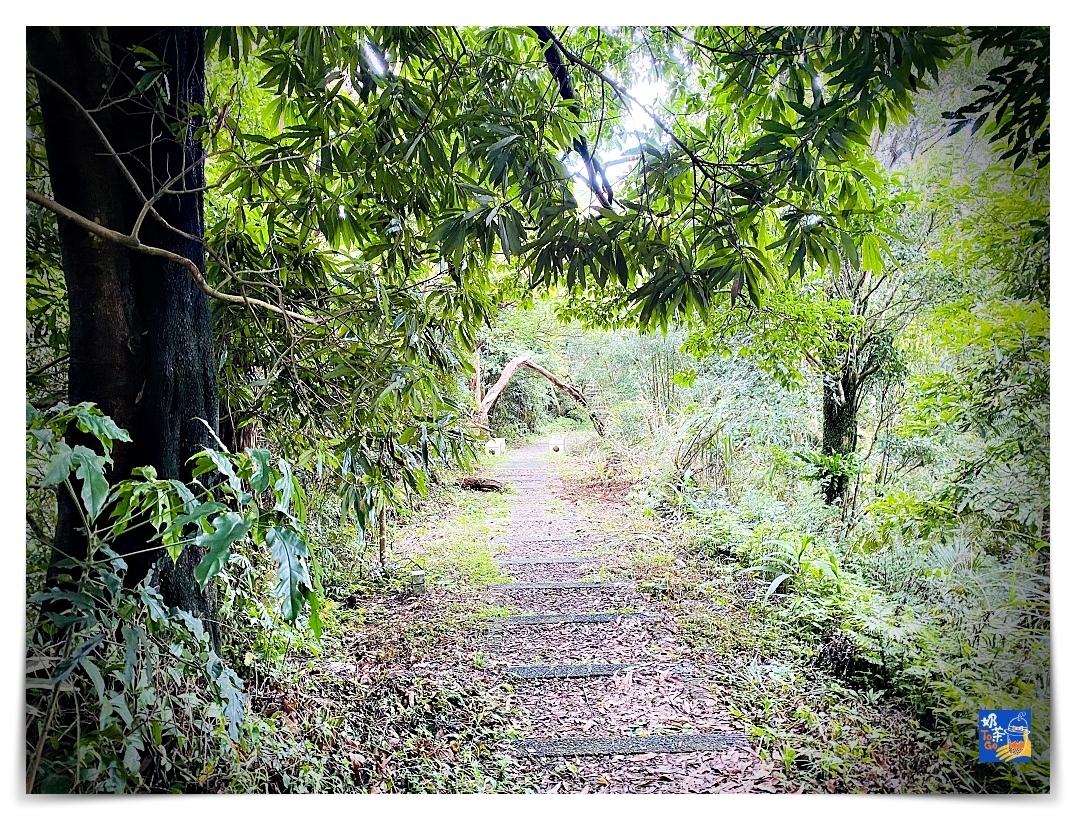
pixel 141 334
pixel 839 429
pixel 105 338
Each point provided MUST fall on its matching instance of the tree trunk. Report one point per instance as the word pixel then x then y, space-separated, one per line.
pixel 141 333
pixel 105 335
pixel 382 537
pixel 494 393
pixel 839 429
pixel 237 436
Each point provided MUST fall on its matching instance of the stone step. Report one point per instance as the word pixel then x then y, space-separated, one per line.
pixel 576 670
pixel 659 744
pixel 565 585
pixel 582 618
pixel 552 559
pixel 540 539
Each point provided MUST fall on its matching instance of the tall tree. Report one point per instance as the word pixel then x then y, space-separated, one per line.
pixel 121 111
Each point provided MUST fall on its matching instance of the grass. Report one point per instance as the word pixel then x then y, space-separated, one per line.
pixel 822 734
pixel 458 547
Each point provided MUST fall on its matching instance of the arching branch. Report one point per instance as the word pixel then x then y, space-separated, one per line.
pixel 494 393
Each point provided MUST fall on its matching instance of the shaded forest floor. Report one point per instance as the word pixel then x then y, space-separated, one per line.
pixel 412 689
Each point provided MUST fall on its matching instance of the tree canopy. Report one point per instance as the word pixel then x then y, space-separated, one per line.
pixel 271 266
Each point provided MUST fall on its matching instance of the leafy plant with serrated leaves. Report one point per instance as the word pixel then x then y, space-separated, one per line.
pixel 272 513
pixel 246 495
pixel 121 691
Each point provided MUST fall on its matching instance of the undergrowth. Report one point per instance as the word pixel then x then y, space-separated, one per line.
pixel 125 694
pixel 856 666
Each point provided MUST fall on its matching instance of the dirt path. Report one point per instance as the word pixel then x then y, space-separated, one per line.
pixel 606 699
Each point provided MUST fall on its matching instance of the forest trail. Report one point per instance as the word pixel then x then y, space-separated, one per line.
pixel 604 698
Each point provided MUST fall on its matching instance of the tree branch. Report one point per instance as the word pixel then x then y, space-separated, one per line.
pixel 147 202
pixel 133 244
pixel 93 124
pixel 627 97
pixel 524 361
pixel 556 67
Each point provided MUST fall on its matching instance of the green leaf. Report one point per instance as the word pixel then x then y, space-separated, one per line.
pixel 315 613
pixel 68 666
pixel 231 690
pixel 95 676
pixel 260 480
pixel 777 127
pixel 147 79
pixel 228 529
pixel 224 466
pixel 293 581
pixel 60 466
pixel 685 378
pixel 499 144
pixel 131 639
pixel 780 579
pixel 184 493
pixel 152 599
pixel 91 469
pixel 872 256
pixel 284 486
pixel 203 510
pixel 91 420
pixel 850 250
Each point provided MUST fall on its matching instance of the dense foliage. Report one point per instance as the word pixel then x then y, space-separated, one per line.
pixel 811 305
pixel 931 583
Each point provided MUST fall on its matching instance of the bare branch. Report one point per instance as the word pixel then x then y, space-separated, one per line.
pixel 132 243
pixel 93 124
pixel 524 361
